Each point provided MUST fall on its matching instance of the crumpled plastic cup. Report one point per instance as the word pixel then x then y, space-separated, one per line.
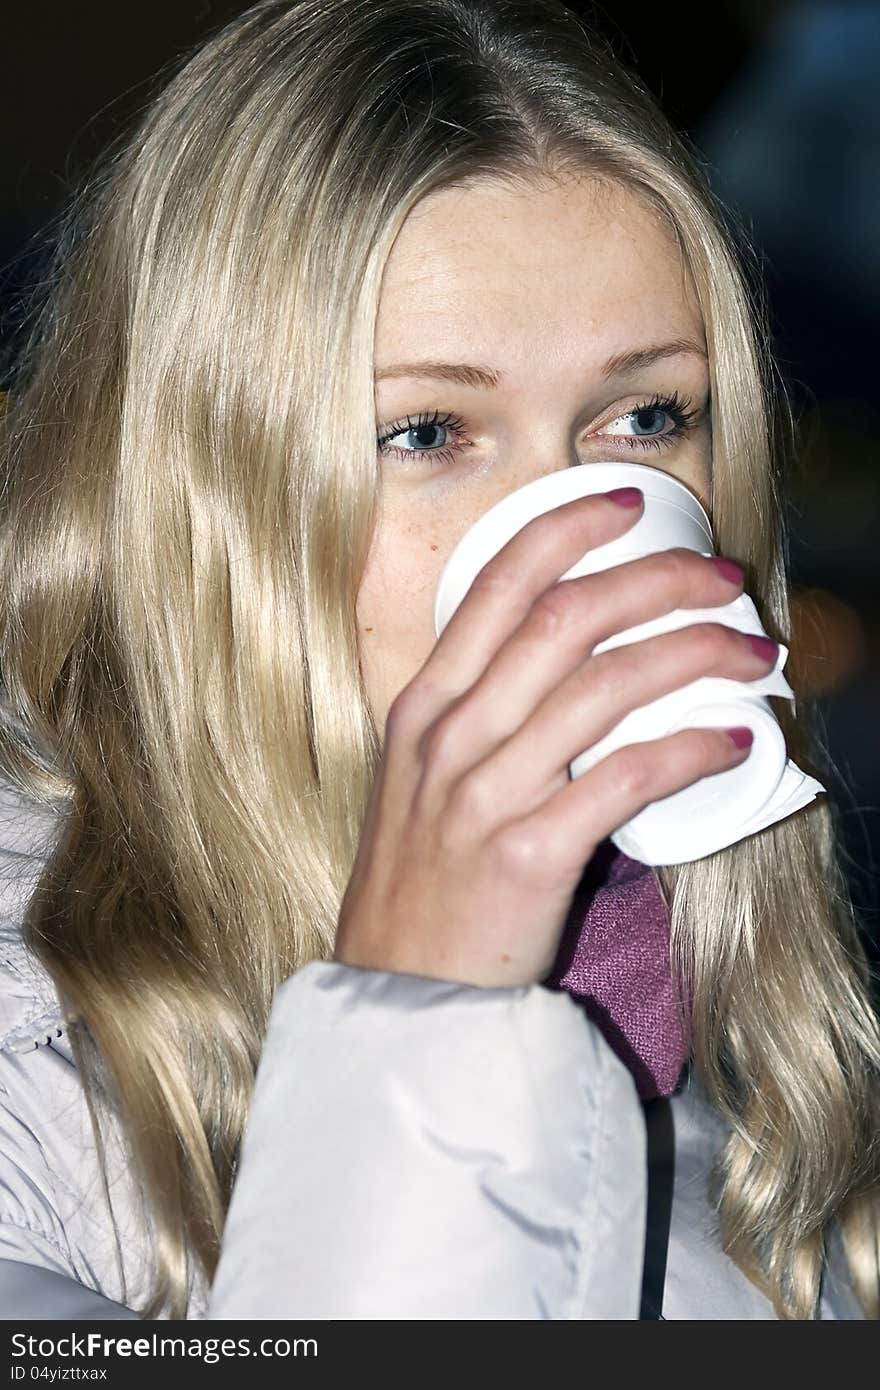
pixel 720 809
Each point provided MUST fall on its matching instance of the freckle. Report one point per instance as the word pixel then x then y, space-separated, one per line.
pixel 435 547
pixel 368 629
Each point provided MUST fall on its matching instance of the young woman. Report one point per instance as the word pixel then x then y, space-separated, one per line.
pixel 256 815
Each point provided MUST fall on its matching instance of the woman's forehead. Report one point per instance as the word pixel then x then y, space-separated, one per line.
pixel 476 268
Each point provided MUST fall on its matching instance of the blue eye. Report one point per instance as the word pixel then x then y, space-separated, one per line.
pixel 427 432
pixel 682 421
pixel 426 428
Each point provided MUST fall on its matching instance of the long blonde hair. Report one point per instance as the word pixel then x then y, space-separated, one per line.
pixel 189 492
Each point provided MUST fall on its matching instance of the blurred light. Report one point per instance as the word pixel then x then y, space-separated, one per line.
pixel 828 643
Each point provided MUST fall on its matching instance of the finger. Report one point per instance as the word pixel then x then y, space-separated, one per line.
pixel 556 635
pixel 534 761
pixel 556 840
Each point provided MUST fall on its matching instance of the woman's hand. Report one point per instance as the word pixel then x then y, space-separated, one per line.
pixel 475 836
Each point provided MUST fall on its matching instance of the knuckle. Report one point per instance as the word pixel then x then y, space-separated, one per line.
pixel 547 523
pixel 438 744
pixel 705 748
pixel 413 713
pixel 517 851
pixel 401 714
pixel 676 567
pixel 552 610
pixel 606 678
pixel 710 643
pixel 718 745
pixel 472 800
pixel 633 770
pixel 497 573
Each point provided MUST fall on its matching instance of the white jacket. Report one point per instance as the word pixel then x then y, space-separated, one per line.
pixel 415 1149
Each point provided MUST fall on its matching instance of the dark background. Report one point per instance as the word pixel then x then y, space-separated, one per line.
pixel 780 99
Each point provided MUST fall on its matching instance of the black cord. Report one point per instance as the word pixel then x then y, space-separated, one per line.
pixel 661 1175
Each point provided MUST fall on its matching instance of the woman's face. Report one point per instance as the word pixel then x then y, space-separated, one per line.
pixel 540 288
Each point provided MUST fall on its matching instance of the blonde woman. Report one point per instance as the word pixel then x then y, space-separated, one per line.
pixel 256 816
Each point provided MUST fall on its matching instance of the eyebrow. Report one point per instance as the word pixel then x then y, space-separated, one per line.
pixel 469 374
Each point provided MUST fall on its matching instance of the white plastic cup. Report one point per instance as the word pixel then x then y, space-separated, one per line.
pixel 719 809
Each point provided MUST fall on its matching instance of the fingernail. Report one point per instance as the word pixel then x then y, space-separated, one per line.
pixel 740 737
pixel 732 572
pixel 763 647
pixel 625 496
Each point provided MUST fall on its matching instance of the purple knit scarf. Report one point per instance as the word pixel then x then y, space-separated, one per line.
pixel 614 959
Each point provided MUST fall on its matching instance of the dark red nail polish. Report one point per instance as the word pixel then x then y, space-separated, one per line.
pixel 740 737
pixel 625 496
pixel 731 571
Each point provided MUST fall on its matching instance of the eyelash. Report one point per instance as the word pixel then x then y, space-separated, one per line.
pixel 671 405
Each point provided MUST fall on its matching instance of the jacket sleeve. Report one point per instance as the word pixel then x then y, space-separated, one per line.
pixel 43 1273
pixel 418 1148
pixel 32 1292
pixel 55 1252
